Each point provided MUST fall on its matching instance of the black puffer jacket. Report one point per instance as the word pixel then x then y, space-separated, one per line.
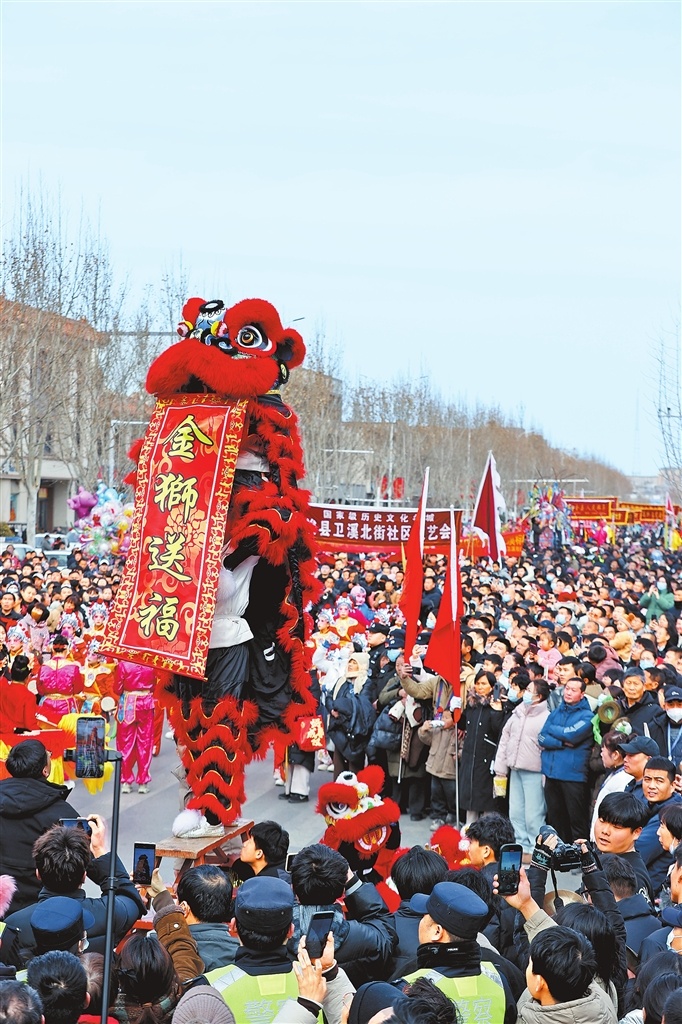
pixel 28 807
pixel 364 940
pixel 18 942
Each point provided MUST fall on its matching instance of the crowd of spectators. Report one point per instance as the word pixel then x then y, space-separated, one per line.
pixel 563 734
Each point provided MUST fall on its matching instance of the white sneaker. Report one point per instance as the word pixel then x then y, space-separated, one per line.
pixel 330 767
pixel 203 831
pixel 190 824
pixel 143 788
pixel 279 781
pixel 126 788
pixel 169 735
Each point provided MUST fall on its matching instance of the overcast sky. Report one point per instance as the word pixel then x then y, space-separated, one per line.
pixel 487 193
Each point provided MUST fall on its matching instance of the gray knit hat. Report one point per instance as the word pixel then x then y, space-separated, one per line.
pixel 203 1004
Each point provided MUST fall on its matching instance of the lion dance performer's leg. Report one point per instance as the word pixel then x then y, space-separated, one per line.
pixel 213 718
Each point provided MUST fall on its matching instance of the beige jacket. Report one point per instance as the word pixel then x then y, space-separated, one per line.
pixel 598 1007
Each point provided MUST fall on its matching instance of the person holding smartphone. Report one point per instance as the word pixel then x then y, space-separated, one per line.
pixel 29 805
pixel 64 857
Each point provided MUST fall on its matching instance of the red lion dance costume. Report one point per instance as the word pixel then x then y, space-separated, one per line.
pixel 257 681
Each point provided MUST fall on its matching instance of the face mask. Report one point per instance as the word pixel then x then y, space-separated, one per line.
pixel 528 698
pixel 675 715
pixel 646 664
pixel 661 585
pixel 513 696
pixel 506 598
pixel 393 655
pixel 561 619
pixel 504 625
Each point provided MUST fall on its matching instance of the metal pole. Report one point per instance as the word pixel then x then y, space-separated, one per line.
pixel 457 772
pixel 390 466
pixel 111 452
pixel 115 756
pixel 402 743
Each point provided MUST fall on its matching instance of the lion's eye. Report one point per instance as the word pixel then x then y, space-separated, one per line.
pixel 337 810
pixel 252 338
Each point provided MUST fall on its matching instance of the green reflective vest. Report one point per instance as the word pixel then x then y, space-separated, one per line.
pixel 480 998
pixel 253 999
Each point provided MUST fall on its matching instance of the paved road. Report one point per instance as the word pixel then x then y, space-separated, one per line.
pixel 148 817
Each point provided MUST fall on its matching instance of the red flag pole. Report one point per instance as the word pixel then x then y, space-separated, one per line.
pixel 413 584
pixel 486 517
pixel 444 653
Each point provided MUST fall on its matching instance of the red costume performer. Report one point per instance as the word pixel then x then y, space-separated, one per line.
pixel 17 703
pixel 257 682
pixel 134 685
pixel 59 681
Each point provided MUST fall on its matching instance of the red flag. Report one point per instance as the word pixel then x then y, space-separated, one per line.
pixel 413 584
pixel 444 654
pixel 486 516
pixel 669 508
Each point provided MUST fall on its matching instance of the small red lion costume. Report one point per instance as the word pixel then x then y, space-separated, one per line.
pixel 255 690
pixel 361 824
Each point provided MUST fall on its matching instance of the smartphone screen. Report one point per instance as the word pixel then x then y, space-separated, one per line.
pixel 144 858
pixel 89 747
pixel 509 872
pixel 317 933
pixel 77 823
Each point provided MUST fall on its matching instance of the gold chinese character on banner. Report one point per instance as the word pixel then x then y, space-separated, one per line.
pixel 159 616
pixel 172 559
pixel 185 436
pixel 315 734
pixel 174 489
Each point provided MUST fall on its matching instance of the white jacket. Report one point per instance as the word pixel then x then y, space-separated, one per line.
pixel 518 747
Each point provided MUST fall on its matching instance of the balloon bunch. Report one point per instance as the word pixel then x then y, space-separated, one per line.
pixel 105 524
pixel 548 504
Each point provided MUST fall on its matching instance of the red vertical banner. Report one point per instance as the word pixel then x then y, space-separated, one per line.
pixel 444 653
pixel 410 602
pixel 163 612
pixel 486 517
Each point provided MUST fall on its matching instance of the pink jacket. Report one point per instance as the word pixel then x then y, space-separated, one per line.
pixel 60 675
pixel 548 660
pixel 518 747
pixel 130 676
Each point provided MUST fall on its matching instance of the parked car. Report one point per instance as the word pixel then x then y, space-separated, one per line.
pixel 61 556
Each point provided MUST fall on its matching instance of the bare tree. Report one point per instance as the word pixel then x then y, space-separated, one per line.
pixel 65 367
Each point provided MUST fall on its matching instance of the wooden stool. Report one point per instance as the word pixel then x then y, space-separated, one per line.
pixel 206 850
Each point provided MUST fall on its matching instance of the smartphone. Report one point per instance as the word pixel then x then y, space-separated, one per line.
pixel 77 823
pixel 289 861
pixel 509 873
pixel 632 960
pixel 318 930
pixel 144 859
pixel 89 747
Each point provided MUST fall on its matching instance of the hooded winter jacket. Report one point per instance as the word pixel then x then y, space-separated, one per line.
pixel 28 807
